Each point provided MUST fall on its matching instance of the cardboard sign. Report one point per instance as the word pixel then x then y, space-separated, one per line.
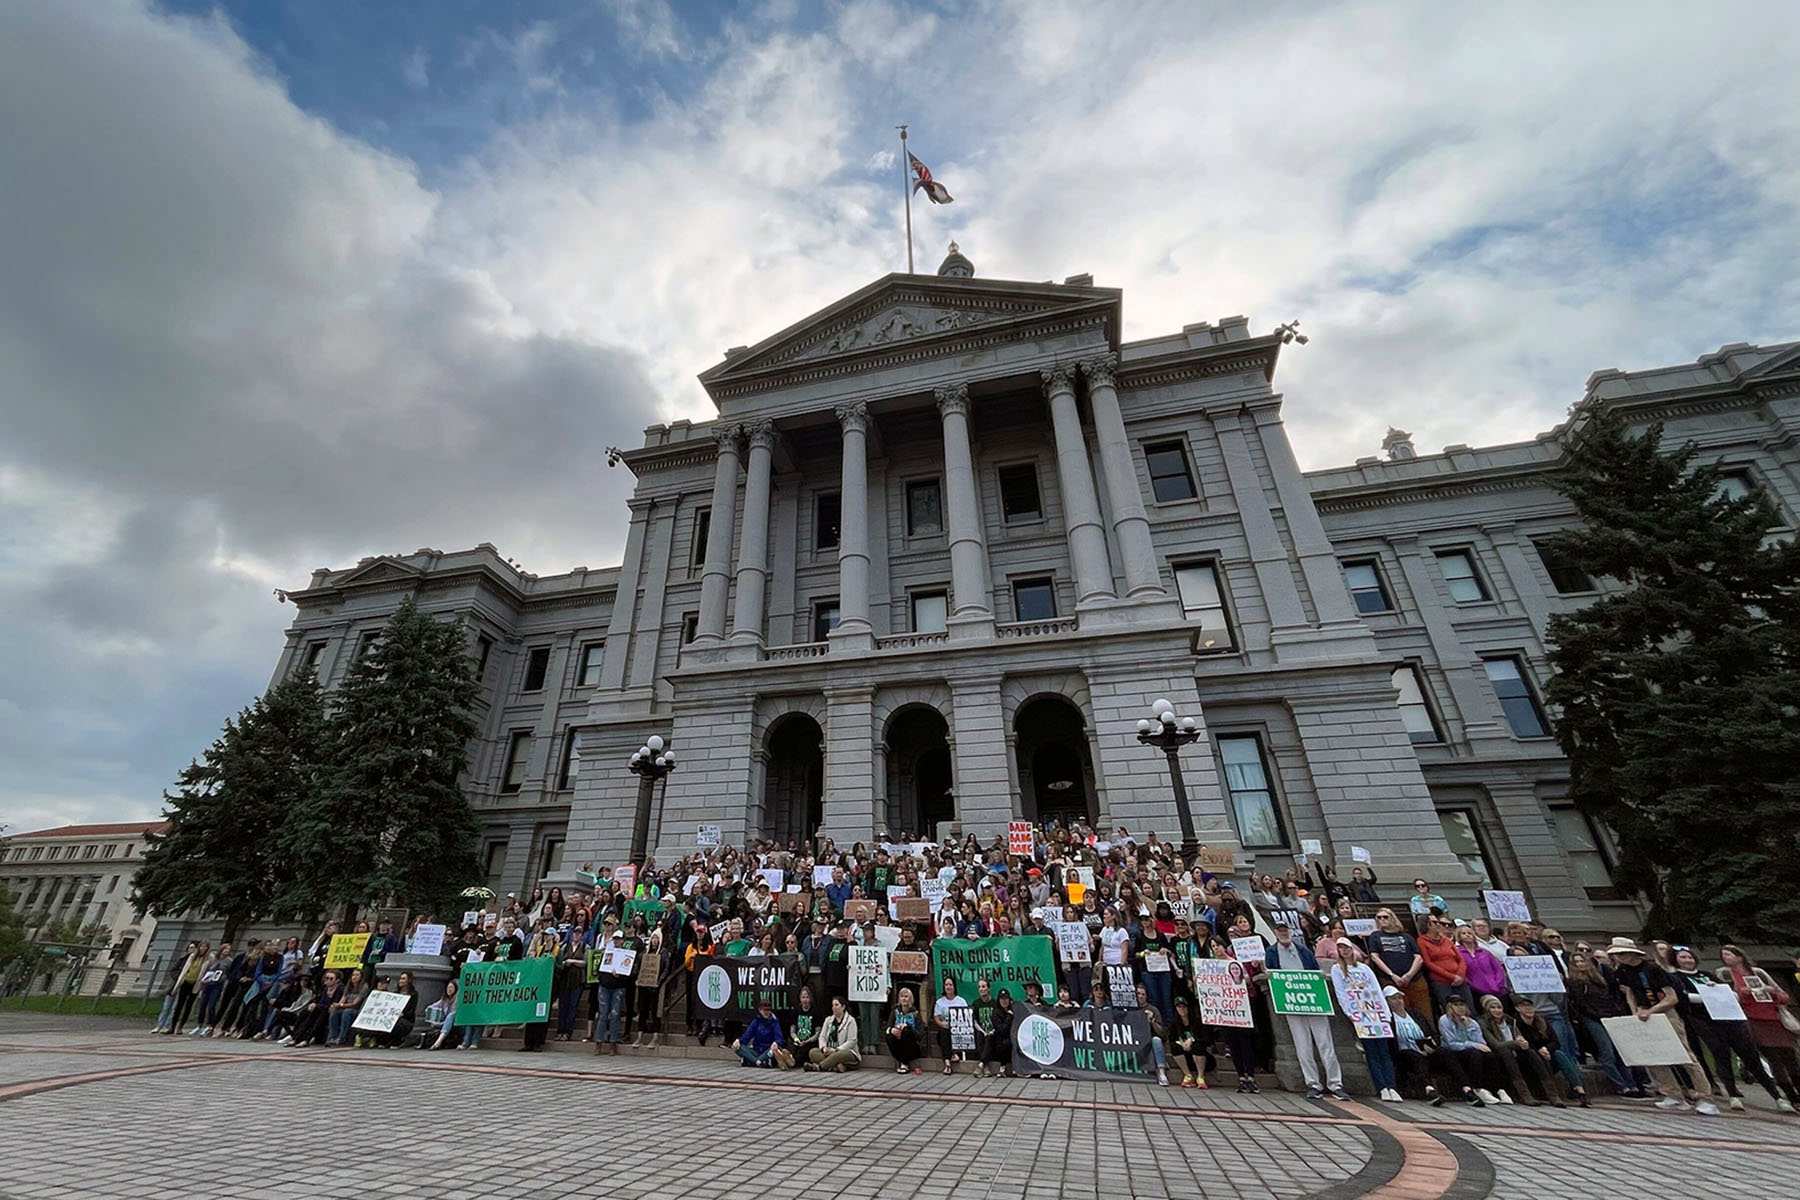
pixel 428 939
pixel 1018 838
pixel 650 974
pixel 912 908
pixel 822 876
pixel 1121 988
pixel 869 977
pixel 889 936
pixel 1506 906
pixel 617 960
pixel 859 910
pixel 793 902
pixel 1721 1002
pixel 345 951
pixel 707 836
pixel 1312 846
pixel 1360 854
pixel 1218 862
pixel 961 1020
pixel 1652 1043
pixel 1532 974
pixel 1092 1043
pixel 1247 949
pixel 1072 944
pixel 1299 994
pixel 908 962
pixel 1156 962
pixel 380 1011
pixel 775 877
pixel 1223 989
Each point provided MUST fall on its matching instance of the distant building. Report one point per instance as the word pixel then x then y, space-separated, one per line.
pixel 82 874
pixel 949 538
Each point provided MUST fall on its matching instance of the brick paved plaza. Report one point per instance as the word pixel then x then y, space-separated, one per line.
pixel 97 1108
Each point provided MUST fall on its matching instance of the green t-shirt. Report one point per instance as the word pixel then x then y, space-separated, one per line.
pixel 878 880
pixel 804 1026
pixel 738 948
pixel 984 1014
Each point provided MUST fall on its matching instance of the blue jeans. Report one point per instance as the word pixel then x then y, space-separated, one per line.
pixel 567 1003
pixel 606 1020
pixel 1609 1058
pixel 1159 989
pixel 746 1054
pixel 1379 1053
pixel 339 1029
pixel 1157 1054
pixel 209 1004
pixel 472 1036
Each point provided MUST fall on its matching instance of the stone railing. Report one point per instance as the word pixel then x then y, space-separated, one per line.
pixel 1026 629
pixel 911 641
pixel 802 650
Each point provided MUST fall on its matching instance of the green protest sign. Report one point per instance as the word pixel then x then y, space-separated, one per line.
pixel 651 910
pixel 1299 994
pixel 505 993
pixel 1008 964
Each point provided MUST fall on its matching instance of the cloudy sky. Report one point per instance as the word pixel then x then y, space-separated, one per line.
pixel 288 282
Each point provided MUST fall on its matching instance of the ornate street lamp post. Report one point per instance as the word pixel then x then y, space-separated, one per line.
pixel 649 763
pixel 1169 733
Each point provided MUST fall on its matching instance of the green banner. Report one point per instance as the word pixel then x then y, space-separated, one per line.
pixel 505 993
pixel 1008 964
pixel 1299 994
pixel 652 911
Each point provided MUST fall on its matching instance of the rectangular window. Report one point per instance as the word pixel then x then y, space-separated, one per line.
pixel 1033 600
pixel 570 763
pixel 37 852
pixel 90 852
pixel 828 520
pixel 1464 837
pixel 1415 713
pixel 1019 493
pixel 553 855
pixel 110 850
pixel 1516 698
pixel 1589 852
pixel 825 618
pixel 1366 587
pixel 55 852
pixel 1734 485
pixel 537 665
pixel 496 864
pixel 1252 799
pixel 1458 567
pixel 930 612
pixel 484 646
pixel 366 643
pixel 690 627
pixel 313 652
pixel 1565 576
pixel 518 757
pixel 924 508
pixel 1170 478
pixel 702 528
pixel 1204 603
pixel 592 655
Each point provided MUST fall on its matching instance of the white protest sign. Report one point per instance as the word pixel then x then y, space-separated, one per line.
pixel 1183 909
pixel 774 876
pixel 869 979
pixel 1072 943
pixel 1532 974
pixel 934 891
pixel 428 939
pixel 693 881
pixel 626 878
pixel 1359 993
pixel 1312 845
pixel 1506 906
pixel 822 876
pixel 475 956
pixel 617 960
pixel 1223 989
pixel 708 835
pixel 472 917
pixel 1359 926
pixel 1078 880
pixel 1652 1043
pixel 380 1011
pixel 888 936
pixel 1721 1002
pixel 1156 962
pixel 1121 989
pixel 1360 854
pixel 1247 949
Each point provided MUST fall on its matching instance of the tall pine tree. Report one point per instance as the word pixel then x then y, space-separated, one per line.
pixel 388 822
pixel 1680 693
pixel 220 854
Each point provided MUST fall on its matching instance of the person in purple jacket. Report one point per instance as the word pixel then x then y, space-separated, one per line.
pixel 760 1037
pixel 1487 974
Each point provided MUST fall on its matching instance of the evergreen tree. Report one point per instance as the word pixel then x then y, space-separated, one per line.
pixel 1680 693
pixel 388 822
pixel 12 925
pixel 221 853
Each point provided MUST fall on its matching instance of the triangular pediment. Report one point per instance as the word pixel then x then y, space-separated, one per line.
pixel 1784 363
pixel 380 570
pixel 909 310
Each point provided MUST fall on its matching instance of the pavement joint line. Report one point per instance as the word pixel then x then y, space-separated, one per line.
pixel 34 1087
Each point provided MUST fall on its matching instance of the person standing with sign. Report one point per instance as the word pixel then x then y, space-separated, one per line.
pixel 1359 994
pixel 1313 1047
pixel 1772 1024
pixel 1649 992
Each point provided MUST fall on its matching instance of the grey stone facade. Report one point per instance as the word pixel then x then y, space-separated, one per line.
pixel 948 540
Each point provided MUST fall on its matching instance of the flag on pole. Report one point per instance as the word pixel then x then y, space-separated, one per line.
pixel 931 187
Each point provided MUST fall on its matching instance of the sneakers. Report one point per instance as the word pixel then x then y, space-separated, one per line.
pixel 1670 1104
pixel 1785 1105
pixel 286 1041
pixel 1505 1098
pixel 1737 1104
pixel 1473 1099
pixel 1313 1093
pixel 1707 1108
pixel 1337 1093
pixel 1486 1096
pixel 1162 1077
pixel 1392 1096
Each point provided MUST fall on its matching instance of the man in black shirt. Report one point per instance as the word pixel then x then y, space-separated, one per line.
pixel 1650 993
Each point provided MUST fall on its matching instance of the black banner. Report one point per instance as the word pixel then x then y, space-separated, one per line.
pixel 731 988
pixel 1090 1043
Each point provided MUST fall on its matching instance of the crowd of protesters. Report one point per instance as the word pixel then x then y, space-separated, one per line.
pixel 1459 1031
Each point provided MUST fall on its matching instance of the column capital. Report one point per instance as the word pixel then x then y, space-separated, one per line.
pixel 853 417
pixel 952 399
pixel 727 436
pixel 1099 369
pixel 761 434
pixel 1058 377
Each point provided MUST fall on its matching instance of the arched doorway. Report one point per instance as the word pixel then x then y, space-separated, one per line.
pixel 794 779
pixel 918 772
pixel 1056 767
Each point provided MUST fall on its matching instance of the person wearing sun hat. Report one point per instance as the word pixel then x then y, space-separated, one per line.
pixel 1650 993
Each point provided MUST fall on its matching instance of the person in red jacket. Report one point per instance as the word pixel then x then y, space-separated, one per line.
pixel 1444 966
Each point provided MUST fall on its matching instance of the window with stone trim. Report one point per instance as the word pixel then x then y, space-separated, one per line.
pixel 518 757
pixel 1567 578
pixel 931 611
pixel 1170 477
pixel 1518 701
pixel 593 654
pixel 1034 599
pixel 1366 587
pixel 690 627
pixel 570 761
pixel 1462 832
pixel 1247 782
pixel 1203 601
pixel 314 650
pixel 828 520
pixel 924 508
pixel 1415 710
pixel 537 666
pixel 1019 497
pixel 1589 851
pixel 484 646
pixel 825 614
pixel 702 530
pixel 494 864
pixel 1460 575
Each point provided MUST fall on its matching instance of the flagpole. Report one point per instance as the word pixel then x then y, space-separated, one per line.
pixel 906 191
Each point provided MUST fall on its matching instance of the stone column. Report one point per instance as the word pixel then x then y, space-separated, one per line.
pixel 753 549
pixel 715 581
pixel 854 631
pixel 1081 504
pixel 968 548
pixel 1131 525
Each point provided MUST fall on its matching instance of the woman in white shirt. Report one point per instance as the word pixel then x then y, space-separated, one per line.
pixel 1114 942
pixel 1359 994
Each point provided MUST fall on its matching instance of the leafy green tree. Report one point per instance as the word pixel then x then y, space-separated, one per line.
pixel 1680 692
pixel 12 926
pixel 221 852
pixel 388 822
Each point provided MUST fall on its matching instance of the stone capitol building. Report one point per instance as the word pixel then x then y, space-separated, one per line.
pixel 949 538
